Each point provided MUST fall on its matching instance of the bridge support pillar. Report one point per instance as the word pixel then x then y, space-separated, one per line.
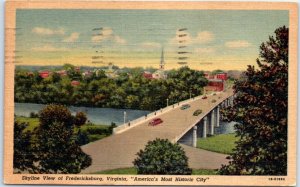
pixel 212 122
pixel 218 116
pixel 195 136
pixel 204 127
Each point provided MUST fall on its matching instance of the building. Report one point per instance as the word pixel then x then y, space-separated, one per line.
pixel 160 73
pixel 216 85
pixel 216 82
pixel 147 75
pixel 222 76
pixel 44 74
pixel 110 72
pixel 75 83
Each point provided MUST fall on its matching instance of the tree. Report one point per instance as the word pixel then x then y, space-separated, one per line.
pixel 261 112
pixel 161 157
pixel 82 138
pixel 80 118
pixel 23 157
pixel 56 149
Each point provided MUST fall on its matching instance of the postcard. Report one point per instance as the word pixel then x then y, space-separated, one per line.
pixel 150 93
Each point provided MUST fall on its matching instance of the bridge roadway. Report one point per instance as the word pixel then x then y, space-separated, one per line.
pixel 119 150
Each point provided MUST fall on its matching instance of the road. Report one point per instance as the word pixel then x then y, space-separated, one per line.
pixel 119 150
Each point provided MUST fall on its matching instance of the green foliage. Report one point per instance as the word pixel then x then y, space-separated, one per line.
pixel 57 152
pixel 55 113
pixel 33 115
pixel 161 157
pixel 22 147
pixel 222 143
pixel 32 123
pixel 82 138
pixel 80 118
pixel 261 112
pixel 53 146
pixel 129 90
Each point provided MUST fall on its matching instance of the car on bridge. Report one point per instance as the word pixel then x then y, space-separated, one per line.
pixel 186 106
pixel 155 121
pixel 197 112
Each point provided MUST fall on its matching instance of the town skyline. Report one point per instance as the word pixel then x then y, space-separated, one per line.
pixel 227 40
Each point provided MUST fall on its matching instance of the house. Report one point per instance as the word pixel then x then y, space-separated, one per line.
pixel 110 72
pixel 215 82
pixel 75 83
pixel 147 75
pixel 44 74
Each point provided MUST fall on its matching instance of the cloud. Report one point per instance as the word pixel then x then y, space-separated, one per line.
pixel 49 48
pixel 185 38
pixel 206 50
pixel 46 31
pixel 72 38
pixel 107 33
pixel 204 37
pixel 238 44
pixel 119 40
pixel 150 45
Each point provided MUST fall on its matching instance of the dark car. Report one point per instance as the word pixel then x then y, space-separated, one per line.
pixel 204 97
pixel 155 121
pixel 186 106
pixel 197 112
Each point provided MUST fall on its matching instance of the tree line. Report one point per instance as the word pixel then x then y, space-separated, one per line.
pixel 128 90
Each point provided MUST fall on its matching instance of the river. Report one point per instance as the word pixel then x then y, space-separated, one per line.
pixel 105 116
pixel 102 116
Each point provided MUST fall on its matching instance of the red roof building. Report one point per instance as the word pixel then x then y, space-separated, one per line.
pixel 75 83
pixel 147 75
pixel 222 76
pixel 216 82
pixel 44 74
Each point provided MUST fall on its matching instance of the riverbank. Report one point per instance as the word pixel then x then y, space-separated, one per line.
pixel 89 132
pixel 103 116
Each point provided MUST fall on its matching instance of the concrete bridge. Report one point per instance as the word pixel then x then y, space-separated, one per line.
pixel 119 150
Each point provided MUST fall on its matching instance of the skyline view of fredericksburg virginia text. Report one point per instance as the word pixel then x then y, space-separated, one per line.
pixel 161 92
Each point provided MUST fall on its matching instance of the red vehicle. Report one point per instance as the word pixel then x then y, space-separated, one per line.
pixel 204 97
pixel 155 121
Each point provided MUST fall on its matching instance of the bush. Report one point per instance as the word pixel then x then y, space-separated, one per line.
pixel 82 138
pixel 33 115
pixel 23 159
pixel 54 112
pixel 56 151
pixel 80 118
pixel 213 101
pixel 161 157
pixel 96 130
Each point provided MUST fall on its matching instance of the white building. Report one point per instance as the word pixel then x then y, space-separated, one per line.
pixel 160 73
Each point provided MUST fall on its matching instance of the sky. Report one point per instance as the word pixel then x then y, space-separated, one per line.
pixel 214 39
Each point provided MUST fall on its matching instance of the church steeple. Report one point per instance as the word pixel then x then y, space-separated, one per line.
pixel 162 60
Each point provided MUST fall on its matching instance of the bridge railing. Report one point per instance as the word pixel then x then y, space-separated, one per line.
pixel 140 120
